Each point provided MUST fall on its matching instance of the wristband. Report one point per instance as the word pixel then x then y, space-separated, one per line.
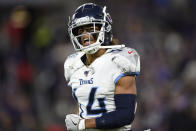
pixel 81 125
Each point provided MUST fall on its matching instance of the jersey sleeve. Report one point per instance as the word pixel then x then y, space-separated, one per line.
pixel 72 64
pixel 127 63
pixel 67 69
pixel 69 66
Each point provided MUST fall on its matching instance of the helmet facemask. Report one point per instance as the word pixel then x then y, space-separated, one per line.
pixel 96 33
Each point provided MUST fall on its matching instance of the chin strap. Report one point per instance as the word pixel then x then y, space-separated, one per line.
pixel 112 46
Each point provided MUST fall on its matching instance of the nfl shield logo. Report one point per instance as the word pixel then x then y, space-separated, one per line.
pixel 86 73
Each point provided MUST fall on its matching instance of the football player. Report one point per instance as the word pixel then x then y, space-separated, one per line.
pixel 101 74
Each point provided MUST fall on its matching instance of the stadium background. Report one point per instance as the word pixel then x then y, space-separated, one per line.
pixel 34 44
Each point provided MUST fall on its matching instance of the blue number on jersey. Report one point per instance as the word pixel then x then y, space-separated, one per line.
pixel 91 111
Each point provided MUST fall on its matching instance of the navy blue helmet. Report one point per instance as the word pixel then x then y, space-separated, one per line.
pixel 93 15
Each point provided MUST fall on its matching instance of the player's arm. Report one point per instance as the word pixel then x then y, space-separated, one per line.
pixel 125 95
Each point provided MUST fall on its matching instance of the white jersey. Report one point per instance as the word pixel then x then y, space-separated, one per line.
pixel 93 86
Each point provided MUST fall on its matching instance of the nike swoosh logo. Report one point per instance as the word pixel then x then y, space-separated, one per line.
pixel 130 51
pixel 74 123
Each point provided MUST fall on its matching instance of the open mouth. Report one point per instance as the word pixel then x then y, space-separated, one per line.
pixel 86 41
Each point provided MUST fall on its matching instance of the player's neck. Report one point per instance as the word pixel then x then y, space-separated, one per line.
pixel 91 57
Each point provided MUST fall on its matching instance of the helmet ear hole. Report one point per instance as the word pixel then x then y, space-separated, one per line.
pixel 108 28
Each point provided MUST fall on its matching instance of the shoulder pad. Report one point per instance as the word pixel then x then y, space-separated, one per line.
pixel 127 59
pixel 72 63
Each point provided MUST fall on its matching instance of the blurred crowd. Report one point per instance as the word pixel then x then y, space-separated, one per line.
pixel 34 44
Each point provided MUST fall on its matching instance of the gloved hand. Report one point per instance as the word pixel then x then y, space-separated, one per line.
pixel 74 122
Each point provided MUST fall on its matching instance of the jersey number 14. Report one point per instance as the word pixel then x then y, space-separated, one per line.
pixel 90 110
